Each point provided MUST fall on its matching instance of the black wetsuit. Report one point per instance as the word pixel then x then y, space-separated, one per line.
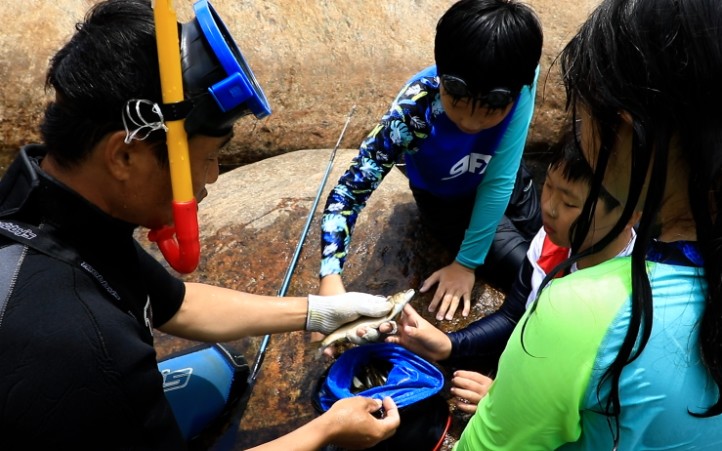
pixel 78 366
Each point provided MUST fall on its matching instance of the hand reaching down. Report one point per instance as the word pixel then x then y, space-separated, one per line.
pixel 455 284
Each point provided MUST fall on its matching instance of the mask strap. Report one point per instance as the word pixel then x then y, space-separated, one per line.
pixel 136 112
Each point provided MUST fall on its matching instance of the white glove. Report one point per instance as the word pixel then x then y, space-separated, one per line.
pixel 328 313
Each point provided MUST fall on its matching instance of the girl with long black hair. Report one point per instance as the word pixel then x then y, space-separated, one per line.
pixel 628 354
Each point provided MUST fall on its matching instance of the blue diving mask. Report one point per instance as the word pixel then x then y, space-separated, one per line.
pixel 219 85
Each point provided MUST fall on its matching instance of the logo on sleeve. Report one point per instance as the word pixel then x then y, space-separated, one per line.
pixel 177 379
pixel 475 163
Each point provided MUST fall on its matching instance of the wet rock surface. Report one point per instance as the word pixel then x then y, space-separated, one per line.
pixel 314 59
pixel 251 223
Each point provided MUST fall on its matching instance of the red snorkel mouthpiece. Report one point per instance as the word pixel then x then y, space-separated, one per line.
pixel 180 243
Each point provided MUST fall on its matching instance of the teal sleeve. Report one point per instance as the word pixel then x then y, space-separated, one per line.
pixel 493 193
pixel 535 401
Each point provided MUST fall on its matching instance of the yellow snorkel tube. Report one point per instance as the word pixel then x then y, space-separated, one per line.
pixel 179 244
pixel 220 88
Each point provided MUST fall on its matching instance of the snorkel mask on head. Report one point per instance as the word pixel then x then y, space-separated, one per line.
pixel 216 78
pixel 220 89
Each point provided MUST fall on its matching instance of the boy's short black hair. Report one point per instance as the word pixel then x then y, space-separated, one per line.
pixel 574 167
pixel 489 44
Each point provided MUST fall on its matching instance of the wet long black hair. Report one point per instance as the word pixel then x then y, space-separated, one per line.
pixel 661 62
pixel 569 160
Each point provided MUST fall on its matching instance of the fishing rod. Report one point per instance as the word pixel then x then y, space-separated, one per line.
pixel 294 260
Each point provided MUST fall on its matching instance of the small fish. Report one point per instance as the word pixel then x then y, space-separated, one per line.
pixel 344 332
pixel 373 373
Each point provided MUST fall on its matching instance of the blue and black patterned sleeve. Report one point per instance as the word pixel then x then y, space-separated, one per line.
pixel 400 130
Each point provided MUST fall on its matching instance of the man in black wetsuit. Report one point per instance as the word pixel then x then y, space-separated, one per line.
pixel 79 298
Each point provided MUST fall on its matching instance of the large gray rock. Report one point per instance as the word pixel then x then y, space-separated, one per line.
pixel 251 223
pixel 315 59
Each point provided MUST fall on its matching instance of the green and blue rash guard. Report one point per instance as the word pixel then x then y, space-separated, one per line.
pixel 546 397
pixel 440 159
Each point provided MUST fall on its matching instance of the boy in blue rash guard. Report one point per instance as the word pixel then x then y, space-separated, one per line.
pixel 460 128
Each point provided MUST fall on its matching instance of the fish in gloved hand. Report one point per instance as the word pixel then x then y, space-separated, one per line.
pixel 347 332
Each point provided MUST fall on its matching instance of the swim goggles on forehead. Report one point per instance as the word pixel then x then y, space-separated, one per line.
pixel 496 98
